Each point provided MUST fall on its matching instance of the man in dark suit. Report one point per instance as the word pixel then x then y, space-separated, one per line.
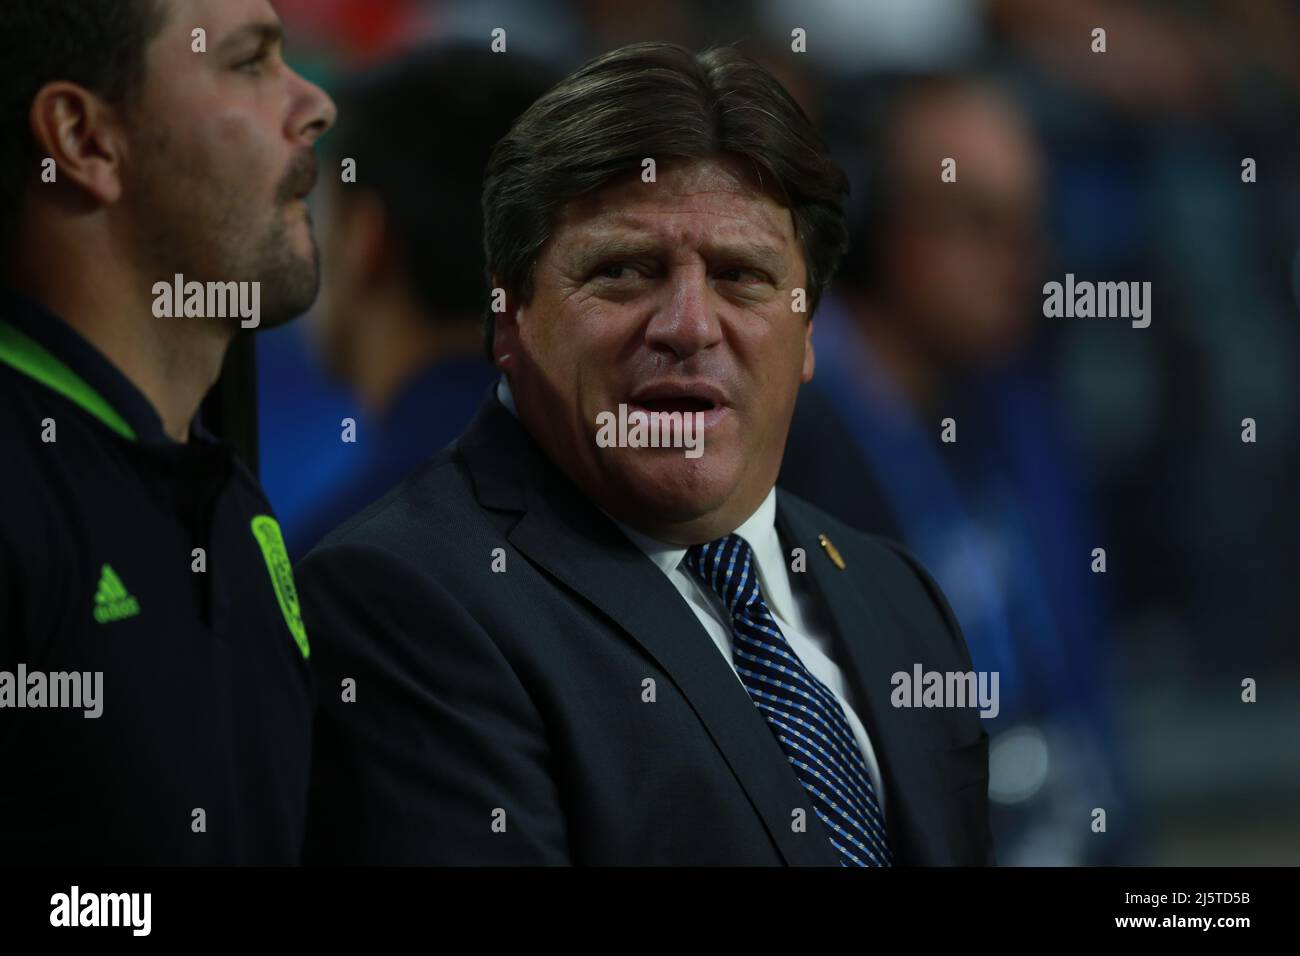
pixel 556 643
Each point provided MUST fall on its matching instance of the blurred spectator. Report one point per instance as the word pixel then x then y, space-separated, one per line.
pixel 403 294
pixel 1147 144
pixel 1162 57
pixel 932 321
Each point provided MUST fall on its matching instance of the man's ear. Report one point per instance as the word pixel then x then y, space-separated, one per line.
pixel 809 357
pixel 506 343
pixel 82 134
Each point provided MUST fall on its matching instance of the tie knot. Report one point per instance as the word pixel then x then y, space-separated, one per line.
pixel 726 567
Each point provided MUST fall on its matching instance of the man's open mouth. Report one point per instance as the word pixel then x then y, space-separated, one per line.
pixel 678 397
pixel 676 405
pixel 666 398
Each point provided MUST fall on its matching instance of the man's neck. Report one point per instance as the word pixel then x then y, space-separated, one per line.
pixel 173 362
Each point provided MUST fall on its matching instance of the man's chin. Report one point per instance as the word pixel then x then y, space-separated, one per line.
pixel 288 266
pixel 662 487
pixel 288 293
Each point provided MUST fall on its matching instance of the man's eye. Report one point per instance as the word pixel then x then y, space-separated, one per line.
pixel 739 274
pixel 613 270
pixel 254 64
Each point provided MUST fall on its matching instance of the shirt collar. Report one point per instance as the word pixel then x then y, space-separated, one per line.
pixel 758 531
pixel 507 397
pixel 42 346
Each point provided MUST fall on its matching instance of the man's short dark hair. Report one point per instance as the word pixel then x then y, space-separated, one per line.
pixel 102 45
pixel 421 129
pixel 662 101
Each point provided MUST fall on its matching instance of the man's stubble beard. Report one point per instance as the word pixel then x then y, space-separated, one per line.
pixel 290 282
pixel 191 222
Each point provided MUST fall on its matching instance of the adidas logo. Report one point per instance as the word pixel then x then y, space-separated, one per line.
pixel 112 601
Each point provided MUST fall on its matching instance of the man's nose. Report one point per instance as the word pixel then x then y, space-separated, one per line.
pixel 687 322
pixel 315 112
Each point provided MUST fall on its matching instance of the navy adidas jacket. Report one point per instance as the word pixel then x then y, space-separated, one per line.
pixel 199 753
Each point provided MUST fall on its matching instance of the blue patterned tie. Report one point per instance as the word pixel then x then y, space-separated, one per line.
pixel 799 709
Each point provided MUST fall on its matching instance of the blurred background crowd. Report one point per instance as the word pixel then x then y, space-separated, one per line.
pixel 1121 690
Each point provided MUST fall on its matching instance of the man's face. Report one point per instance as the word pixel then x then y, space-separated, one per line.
pixel 961 260
pixel 667 296
pixel 220 157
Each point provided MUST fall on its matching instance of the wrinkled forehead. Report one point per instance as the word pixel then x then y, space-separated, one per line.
pixel 688 203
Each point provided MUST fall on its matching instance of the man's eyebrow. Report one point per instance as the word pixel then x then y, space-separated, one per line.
pixel 606 246
pixel 760 254
pixel 267 33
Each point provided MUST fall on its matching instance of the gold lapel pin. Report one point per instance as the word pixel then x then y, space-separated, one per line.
pixel 832 552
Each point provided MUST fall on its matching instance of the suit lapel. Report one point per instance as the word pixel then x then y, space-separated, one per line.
pixel 869 654
pixel 570 539
pixel 602 566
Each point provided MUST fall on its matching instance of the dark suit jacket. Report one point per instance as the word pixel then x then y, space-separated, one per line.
pixel 517 697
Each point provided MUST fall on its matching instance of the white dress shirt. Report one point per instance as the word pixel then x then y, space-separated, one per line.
pixel 796 614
